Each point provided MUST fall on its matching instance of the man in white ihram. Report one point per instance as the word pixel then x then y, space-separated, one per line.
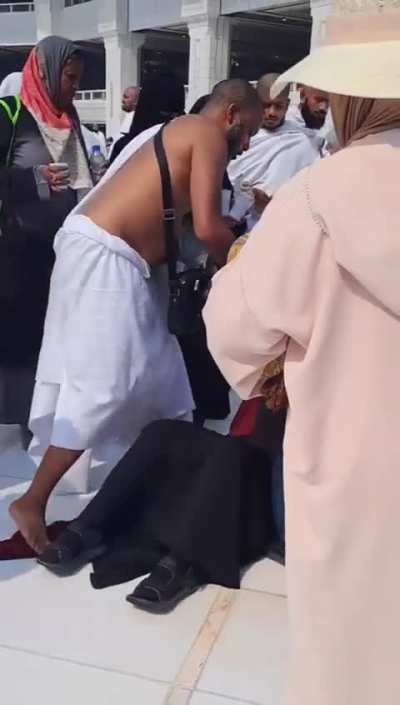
pixel 129 103
pixel 279 150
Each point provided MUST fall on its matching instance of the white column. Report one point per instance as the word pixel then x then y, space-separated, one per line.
pixel 123 54
pixel 210 44
pixel 48 17
pixel 123 62
pixel 320 11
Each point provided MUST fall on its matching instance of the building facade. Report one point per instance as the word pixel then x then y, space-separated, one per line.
pixel 204 41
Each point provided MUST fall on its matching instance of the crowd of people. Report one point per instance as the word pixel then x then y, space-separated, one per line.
pixel 92 386
pixel 250 244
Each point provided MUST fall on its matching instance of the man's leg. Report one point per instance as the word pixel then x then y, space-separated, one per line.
pixel 119 490
pixel 115 502
pixel 29 511
pixel 90 310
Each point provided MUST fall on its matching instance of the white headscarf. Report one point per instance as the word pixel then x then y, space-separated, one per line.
pixel 11 85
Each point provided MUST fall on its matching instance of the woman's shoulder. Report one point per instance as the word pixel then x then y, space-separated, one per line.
pixel 346 164
pixel 339 177
pixel 323 179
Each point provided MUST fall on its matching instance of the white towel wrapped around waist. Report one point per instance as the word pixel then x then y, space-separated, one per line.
pixel 106 345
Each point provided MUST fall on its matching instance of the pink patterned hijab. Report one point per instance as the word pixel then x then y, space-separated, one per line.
pixel 40 94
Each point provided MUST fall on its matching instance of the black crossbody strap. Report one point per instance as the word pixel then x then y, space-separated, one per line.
pixel 169 215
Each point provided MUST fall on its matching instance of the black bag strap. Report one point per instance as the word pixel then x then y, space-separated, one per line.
pixel 169 214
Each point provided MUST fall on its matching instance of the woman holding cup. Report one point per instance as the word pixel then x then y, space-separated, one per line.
pixel 44 170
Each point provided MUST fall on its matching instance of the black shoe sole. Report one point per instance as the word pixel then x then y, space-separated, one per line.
pixel 163 606
pixel 65 569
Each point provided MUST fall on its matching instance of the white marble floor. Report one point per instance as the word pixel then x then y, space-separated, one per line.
pixel 63 642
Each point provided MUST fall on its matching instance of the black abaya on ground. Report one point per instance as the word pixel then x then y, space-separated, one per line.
pixel 185 491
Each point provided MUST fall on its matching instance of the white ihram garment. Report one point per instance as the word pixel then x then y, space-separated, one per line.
pixel 273 158
pixel 294 115
pixel 108 364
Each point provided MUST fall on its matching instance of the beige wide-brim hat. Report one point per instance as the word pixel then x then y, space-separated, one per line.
pixel 359 53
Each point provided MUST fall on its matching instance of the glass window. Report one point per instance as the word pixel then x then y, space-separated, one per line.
pixel 70 3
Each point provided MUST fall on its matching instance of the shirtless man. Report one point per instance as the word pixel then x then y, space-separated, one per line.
pixel 108 360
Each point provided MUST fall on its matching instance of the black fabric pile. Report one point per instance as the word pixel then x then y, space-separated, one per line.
pixel 185 491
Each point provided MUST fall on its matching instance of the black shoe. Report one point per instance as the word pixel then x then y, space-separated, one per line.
pixel 73 549
pixel 170 582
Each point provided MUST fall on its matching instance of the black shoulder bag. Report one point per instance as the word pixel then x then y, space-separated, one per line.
pixel 188 290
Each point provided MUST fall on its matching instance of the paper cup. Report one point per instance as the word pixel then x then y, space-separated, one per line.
pixel 58 168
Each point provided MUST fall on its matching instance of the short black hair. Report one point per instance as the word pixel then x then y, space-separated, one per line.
pixel 265 84
pixel 238 91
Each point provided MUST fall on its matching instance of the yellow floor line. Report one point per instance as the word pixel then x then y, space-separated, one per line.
pixel 177 696
pixel 197 657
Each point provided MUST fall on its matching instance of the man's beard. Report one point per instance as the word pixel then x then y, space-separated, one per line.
pixel 275 127
pixel 234 140
pixel 314 122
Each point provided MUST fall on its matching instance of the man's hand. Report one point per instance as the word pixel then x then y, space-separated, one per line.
pixel 261 200
pixel 230 222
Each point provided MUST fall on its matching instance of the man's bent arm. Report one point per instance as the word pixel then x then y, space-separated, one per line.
pixel 208 166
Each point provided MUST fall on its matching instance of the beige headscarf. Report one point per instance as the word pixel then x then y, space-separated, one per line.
pixel 356 118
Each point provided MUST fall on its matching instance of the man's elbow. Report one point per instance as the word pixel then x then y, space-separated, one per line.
pixel 205 231
pixel 215 235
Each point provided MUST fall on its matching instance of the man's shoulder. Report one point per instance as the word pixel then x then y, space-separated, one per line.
pixel 293 136
pixel 195 125
pixel 302 135
pixel 294 115
pixel 292 128
pixel 287 136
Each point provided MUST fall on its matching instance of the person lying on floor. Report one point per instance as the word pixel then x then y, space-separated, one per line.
pixel 185 504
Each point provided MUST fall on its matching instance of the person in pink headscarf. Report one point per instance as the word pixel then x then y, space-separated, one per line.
pixel 44 169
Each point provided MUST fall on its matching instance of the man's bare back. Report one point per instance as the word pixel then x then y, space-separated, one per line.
pixel 129 205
